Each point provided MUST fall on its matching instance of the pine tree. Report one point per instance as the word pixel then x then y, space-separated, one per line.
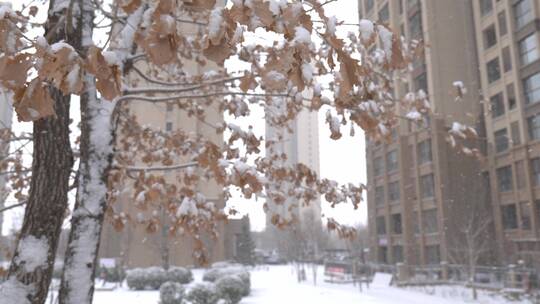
pixel 246 246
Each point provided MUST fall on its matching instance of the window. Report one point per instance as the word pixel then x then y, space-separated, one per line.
pixel 420 82
pixel 429 221
pixel 535 171
pixel 533 123
pixel 416 222
pixel 503 28
pixel 528 49
pixel 397 253
pixel 396 223
pixel 378 166
pixel 486 6
pixel 384 14
pixel 501 140
pixel 507 59
pixel 393 191
pixel 383 254
pixel 381 225
pixel 497 105
pixel 516 138
pixel 433 256
pixel 520 175
pixel 391 161
pixel 169 107
pixel 493 70
pixel 379 196
pixel 509 217
pixel 369 5
pixel 400 7
pixel 525 214
pixel 168 126
pixel 424 151
pixel 427 186
pixel 531 85
pixel 415 26
pixel 523 13
pixel 504 178
pixel 490 37
pixel 511 96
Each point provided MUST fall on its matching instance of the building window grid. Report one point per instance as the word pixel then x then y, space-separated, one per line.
pixel 503 28
pixel 379 196
pixel 397 224
pixel 509 216
pixel 490 37
pixel 391 161
pixel 507 59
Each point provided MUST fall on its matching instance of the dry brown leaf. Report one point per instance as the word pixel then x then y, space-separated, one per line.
pixel 14 70
pixel 34 101
pixel 129 6
pixel 108 78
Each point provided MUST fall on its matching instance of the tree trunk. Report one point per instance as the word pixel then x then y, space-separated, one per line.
pixel 97 139
pixel 33 261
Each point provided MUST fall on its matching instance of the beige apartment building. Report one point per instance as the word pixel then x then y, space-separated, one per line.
pixel 134 246
pixel 508 47
pixel 421 191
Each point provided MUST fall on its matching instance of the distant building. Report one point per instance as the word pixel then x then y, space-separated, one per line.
pixel 133 246
pixel 300 146
pixel 422 192
pixel 508 47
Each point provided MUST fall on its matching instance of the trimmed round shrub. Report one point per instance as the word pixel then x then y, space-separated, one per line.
pixel 179 275
pixel 231 288
pixel 171 293
pixel 214 274
pixel 203 293
pixel 146 278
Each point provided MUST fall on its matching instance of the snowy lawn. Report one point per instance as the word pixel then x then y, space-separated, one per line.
pixel 277 285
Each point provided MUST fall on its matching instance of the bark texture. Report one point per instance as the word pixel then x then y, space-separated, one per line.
pixel 48 195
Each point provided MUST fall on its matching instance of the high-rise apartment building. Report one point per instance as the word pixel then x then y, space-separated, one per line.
pixel 300 146
pixel 508 47
pixel 421 190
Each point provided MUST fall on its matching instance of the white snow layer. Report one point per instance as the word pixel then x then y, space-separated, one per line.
pixel 32 252
pixel 14 292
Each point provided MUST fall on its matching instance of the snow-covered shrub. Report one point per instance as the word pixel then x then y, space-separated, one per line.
pixel 171 293
pixel 231 288
pixel 203 293
pixel 214 274
pixel 179 275
pixel 146 278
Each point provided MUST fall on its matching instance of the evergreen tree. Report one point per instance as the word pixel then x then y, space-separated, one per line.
pixel 246 246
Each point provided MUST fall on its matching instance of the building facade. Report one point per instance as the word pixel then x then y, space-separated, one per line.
pixel 421 190
pixel 134 246
pixel 508 48
pixel 301 145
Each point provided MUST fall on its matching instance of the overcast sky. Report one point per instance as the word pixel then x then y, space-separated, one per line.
pixel 343 160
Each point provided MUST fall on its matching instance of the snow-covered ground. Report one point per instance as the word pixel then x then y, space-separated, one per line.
pixel 278 285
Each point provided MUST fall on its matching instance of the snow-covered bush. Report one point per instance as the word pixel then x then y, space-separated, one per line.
pixel 203 293
pixel 214 274
pixel 231 288
pixel 179 275
pixel 171 293
pixel 146 278
pixel 223 269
